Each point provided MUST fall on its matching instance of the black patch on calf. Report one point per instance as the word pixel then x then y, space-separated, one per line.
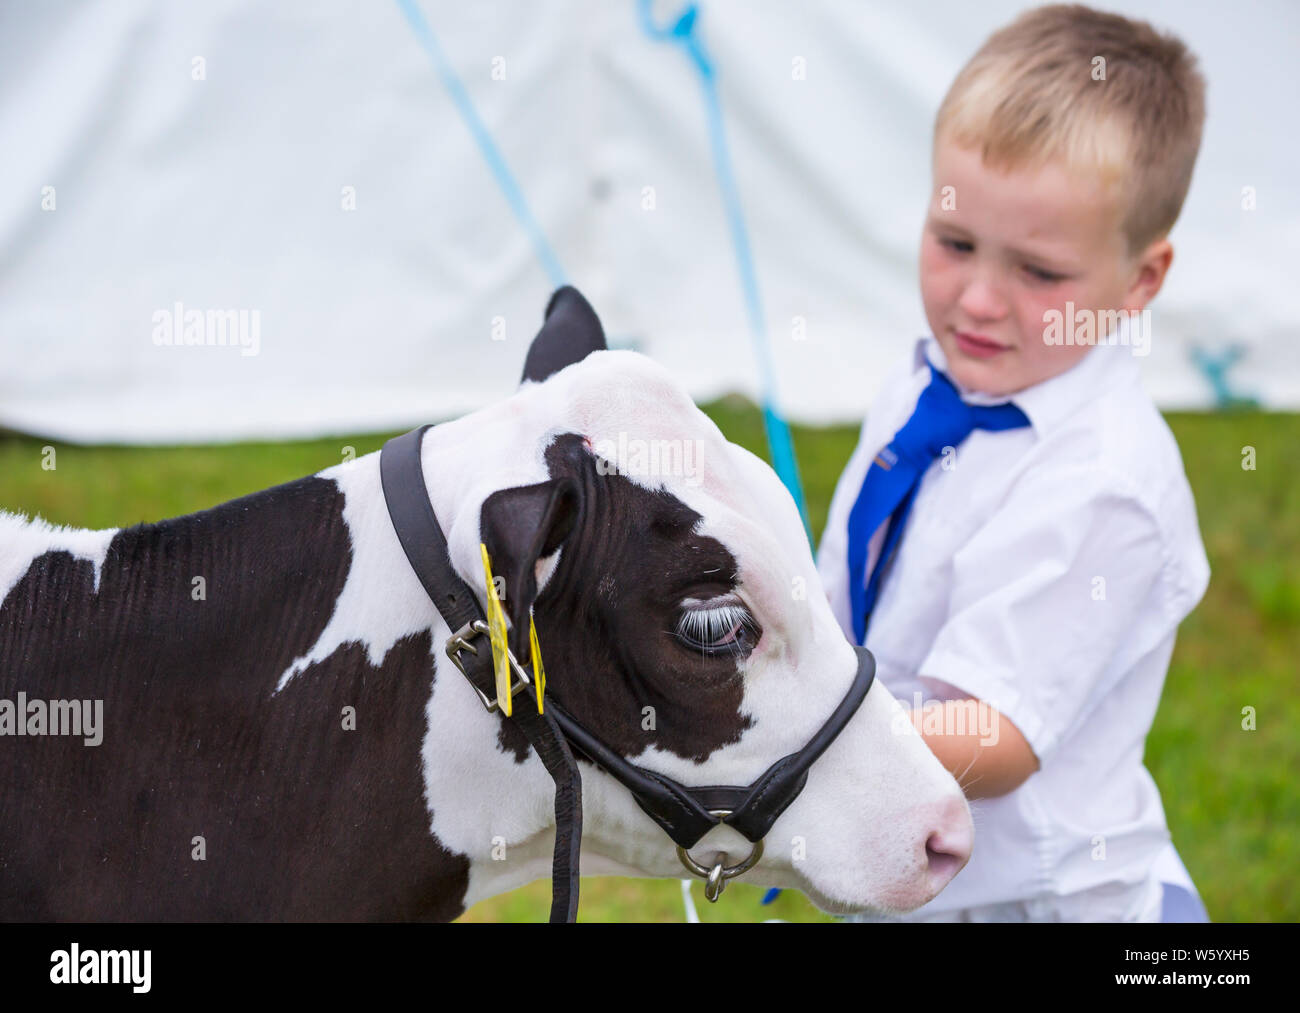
pixel 301 818
pixel 605 617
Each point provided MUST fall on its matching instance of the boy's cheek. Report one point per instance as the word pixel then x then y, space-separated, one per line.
pixel 1036 314
pixel 1042 361
pixel 938 281
pixel 930 249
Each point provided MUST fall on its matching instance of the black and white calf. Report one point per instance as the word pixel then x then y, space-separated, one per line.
pixel 293 743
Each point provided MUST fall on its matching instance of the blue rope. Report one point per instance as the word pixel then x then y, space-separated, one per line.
pixel 779 441
pixel 682 33
pixel 490 151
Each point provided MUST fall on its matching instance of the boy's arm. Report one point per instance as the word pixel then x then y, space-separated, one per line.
pixel 979 746
pixel 1069 578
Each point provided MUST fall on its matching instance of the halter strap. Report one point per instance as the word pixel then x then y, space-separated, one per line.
pixel 402 477
pixel 687 814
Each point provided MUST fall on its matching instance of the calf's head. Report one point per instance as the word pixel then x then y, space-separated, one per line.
pixel 681 620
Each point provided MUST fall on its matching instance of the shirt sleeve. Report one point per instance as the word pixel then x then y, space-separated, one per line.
pixel 1043 596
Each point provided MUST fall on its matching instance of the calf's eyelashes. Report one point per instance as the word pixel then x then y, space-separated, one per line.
pixel 719 625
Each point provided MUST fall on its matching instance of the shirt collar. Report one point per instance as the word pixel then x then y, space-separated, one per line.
pixel 1051 401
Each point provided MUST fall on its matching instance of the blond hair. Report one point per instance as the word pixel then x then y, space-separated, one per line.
pixel 1108 96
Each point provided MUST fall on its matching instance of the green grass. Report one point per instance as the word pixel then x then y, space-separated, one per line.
pixel 1231 795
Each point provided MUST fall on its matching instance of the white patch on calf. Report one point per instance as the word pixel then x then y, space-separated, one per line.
pixel 382 599
pixel 22 540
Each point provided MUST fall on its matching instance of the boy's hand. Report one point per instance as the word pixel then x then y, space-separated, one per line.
pixel 980 747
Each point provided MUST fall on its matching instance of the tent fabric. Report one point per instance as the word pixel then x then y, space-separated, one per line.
pixel 303 164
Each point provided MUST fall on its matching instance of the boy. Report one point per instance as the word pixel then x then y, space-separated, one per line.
pixel 1014 532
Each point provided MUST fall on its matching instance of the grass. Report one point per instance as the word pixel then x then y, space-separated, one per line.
pixel 1230 794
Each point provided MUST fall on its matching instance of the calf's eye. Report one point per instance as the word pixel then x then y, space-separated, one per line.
pixel 720 625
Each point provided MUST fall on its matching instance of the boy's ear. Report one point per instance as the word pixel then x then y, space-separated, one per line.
pixel 519 526
pixel 1151 267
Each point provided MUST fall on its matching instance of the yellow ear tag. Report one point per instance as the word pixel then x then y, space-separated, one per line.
pixel 539 673
pixel 496 619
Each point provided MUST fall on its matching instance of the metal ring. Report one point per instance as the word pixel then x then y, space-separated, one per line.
pixel 720 873
pixel 729 871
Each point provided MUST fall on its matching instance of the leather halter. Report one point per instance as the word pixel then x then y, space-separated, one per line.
pixel 685 814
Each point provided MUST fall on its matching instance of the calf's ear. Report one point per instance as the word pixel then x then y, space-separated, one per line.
pixel 519 526
pixel 571 331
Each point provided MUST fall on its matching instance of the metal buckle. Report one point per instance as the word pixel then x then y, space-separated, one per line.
pixel 715 879
pixel 460 641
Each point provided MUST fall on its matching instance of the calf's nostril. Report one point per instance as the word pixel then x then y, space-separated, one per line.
pixel 945 857
pixel 948 848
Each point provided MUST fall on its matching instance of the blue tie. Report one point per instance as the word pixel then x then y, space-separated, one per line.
pixel 941 419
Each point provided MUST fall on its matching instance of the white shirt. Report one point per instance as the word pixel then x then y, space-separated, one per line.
pixel 1043 570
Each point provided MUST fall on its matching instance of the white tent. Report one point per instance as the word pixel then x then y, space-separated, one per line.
pixel 305 164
